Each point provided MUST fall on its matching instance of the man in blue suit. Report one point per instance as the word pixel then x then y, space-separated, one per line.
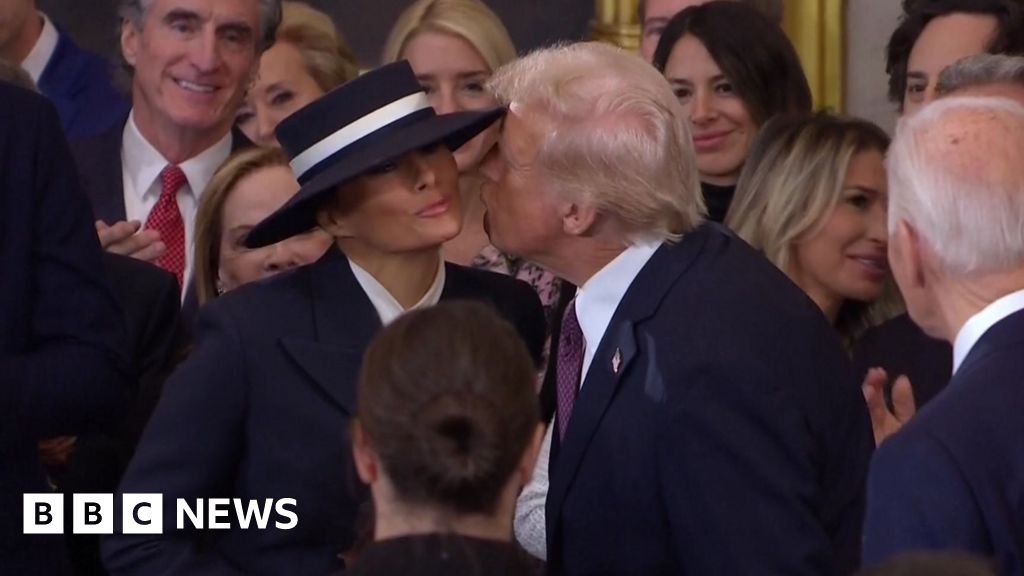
pixel 708 421
pixel 78 83
pixel 953 477
pixel 61 332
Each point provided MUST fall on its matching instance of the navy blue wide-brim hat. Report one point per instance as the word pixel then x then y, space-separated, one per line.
pixel 373 119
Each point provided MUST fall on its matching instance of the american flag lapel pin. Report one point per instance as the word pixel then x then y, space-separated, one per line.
pixel 616 361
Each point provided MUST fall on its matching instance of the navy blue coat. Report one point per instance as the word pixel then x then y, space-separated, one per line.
pixel 261 409
pixel 79 84
pixel 953 477
pixel 732 440
pixel 61 331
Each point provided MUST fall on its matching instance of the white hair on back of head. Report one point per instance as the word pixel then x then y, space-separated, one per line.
pixel 618 137
pixel 955 175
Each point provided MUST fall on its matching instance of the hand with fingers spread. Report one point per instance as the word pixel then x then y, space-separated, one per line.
pixel 885 422
pixel 128 239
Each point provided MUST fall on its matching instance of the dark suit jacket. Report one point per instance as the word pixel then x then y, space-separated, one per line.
pixel 900 347
pixel 61 333
pixel 150 299
pixel 261 409
pixel 79 84
pixel 733 439
pixel 953 477
pixel 100 171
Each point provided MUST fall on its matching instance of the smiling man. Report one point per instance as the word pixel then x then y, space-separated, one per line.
pixel 190 62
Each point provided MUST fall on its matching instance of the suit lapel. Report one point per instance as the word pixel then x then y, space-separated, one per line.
pixel 103 177
pixel 615 360
pixel 344 323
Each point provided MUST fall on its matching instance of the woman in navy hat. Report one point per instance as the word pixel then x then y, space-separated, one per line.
pixel 260 411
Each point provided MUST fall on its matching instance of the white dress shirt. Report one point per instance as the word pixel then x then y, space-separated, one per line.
pixel 387 307
pixel 599 297
pixel 37 59
pixel 977 325
pixel 596 302
pixel 141 167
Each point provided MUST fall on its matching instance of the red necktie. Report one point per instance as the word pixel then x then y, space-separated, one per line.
pixel 570 366
pixel 165 218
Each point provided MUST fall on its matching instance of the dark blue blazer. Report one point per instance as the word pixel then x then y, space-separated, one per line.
pixel 79 83
pixel 953 478
pixel 261 409
pixel 61 331
pixel 732 440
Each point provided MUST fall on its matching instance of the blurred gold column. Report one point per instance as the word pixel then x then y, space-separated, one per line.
pixel 617 22
pixel 817 29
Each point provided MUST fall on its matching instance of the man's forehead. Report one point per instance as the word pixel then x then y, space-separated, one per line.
pixel 221 10
pixel 668 8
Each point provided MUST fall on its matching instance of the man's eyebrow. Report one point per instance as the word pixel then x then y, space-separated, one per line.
pixel 237 27
pixel 180 14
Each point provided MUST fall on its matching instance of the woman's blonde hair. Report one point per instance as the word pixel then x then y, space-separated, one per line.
pixel 792 180
pixel 208 230
pixel 470 20
pixel 325 53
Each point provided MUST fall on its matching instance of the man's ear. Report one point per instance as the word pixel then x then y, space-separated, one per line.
pixel 578 219
pixel 129 41
pixel 915 255
pixel 367 465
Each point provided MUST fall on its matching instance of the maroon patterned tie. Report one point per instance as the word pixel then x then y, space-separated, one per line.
pixel 165 218
pixel 570 366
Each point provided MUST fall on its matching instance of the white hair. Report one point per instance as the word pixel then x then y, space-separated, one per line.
pixel 981 70
pixel 618 137
pixel 955 175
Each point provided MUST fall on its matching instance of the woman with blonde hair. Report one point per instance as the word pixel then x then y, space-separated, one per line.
pixel 250 186
pixel 308 59
pixel 812 197
pixel 453 47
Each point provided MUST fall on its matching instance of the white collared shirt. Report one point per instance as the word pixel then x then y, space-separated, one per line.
pixel 599 297
pixel 387 307
pixel 37 59
pixel 977 325
pixel 141 167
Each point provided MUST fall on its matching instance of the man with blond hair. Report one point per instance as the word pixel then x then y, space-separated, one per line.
pixel 951 478
pixel 707 420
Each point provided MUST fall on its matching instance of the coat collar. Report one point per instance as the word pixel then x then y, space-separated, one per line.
pixel 344 323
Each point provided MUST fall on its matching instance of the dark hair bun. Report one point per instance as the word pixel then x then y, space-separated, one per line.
pixel 459 444
pixel 447 401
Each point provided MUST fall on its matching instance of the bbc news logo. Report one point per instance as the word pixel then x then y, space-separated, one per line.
pixel 144 514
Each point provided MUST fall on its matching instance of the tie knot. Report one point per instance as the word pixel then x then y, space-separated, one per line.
pixel 171 179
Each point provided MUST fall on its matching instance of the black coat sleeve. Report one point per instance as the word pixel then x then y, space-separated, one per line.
pixel 62 367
